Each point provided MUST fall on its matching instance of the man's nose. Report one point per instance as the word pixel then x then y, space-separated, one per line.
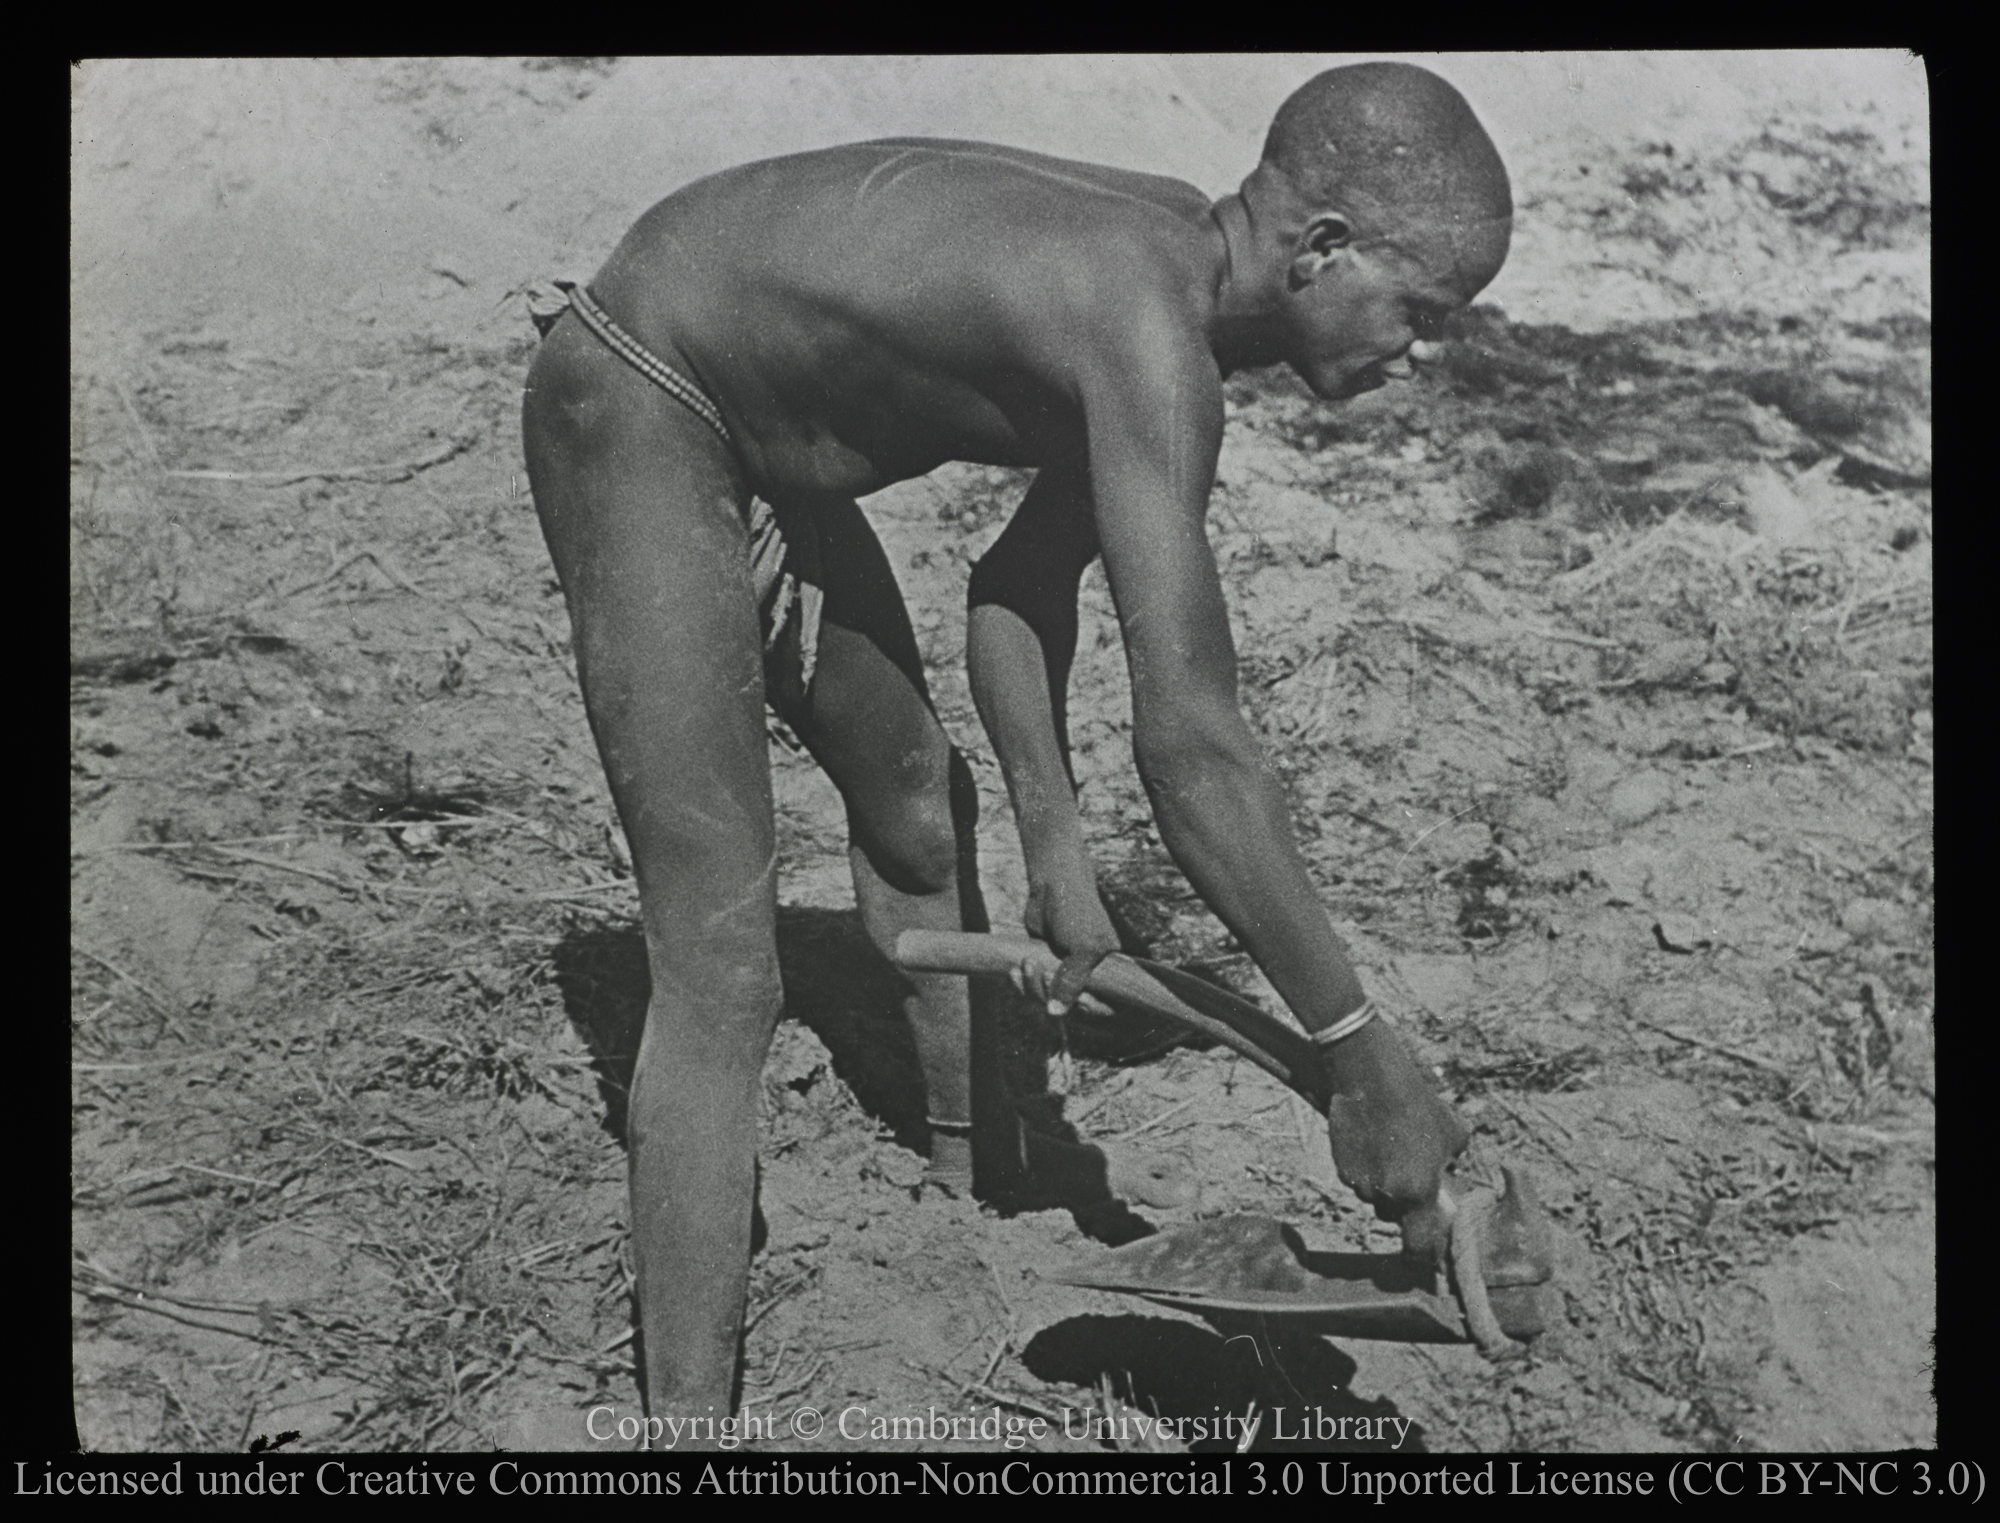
pixel 1425 352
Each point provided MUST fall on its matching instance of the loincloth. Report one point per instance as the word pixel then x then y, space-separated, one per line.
pixel 784 546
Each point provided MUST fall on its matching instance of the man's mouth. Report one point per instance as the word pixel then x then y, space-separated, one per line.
pixel 1367 378
pixel 1405 366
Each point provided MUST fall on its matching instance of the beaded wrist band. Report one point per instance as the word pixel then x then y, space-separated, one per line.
pixel 949 1128
pixel 1346 1026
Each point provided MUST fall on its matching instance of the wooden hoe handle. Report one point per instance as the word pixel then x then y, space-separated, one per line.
pixel 1136 982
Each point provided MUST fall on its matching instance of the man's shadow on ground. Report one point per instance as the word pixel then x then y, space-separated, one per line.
pixel 836 985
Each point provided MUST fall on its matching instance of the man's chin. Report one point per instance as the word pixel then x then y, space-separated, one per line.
pixel 1341 388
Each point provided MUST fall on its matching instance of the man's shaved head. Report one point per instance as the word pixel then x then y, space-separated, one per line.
pixel 1395 148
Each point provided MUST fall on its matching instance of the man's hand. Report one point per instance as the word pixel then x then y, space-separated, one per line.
pixel 1393 1137
pixel 1067 914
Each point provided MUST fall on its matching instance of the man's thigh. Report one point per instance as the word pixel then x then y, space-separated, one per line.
pixel 642 509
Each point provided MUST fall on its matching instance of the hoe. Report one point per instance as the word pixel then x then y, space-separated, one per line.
pixel 1501 1245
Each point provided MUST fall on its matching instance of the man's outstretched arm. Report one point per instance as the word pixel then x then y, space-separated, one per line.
pixel 1154 415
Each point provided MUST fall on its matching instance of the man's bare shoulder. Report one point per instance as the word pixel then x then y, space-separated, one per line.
pixel 1096 253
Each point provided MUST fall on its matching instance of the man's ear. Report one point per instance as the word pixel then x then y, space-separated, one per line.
pixel 1325 236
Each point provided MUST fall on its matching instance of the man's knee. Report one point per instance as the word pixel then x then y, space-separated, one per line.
pixel 714 942
pixel 710 989
pixel 907 817
pixel 710 1012
pixel 913 843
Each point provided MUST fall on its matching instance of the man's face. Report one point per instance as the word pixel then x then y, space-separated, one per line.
pixel 1373 298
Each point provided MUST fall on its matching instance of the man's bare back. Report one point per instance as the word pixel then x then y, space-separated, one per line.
pixel 863 314
pixel 813 328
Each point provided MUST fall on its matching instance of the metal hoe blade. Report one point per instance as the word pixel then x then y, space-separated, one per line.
pixel 1256 1265
pixel 1501 1253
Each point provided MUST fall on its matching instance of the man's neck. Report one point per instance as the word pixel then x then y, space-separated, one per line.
pixel 1243 333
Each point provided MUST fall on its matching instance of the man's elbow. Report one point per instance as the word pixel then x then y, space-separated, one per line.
pixel 1192 755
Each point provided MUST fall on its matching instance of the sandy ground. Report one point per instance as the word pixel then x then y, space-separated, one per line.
pixel 1599 666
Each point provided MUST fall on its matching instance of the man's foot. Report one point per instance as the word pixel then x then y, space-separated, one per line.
pixel 950 1171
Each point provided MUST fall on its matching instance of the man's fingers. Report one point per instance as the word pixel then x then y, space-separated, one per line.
pixel 1067 986
pixel 1032 979
pixel 1427 1229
